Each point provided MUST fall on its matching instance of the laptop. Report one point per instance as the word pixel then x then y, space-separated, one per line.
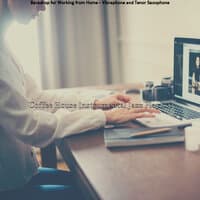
pixel 184 108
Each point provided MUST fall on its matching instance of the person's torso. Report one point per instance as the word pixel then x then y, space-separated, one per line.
pixel 17 160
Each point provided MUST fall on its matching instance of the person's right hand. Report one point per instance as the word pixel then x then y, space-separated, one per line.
pixel 122 115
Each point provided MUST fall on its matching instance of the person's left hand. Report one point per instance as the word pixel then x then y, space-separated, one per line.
pixel 112 101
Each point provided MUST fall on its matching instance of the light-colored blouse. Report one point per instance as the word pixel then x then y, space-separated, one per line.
pixel 22 127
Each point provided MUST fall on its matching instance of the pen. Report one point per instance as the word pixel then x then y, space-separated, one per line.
pixel 150 132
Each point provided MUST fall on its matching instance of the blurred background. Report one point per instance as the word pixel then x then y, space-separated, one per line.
pixel 69 46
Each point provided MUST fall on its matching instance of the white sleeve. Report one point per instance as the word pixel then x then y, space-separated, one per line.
pixel 70 101
pixel 40 128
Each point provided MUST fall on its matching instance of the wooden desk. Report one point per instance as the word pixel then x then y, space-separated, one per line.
pixel 162 172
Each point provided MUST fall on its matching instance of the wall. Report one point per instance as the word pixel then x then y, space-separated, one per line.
pixel 147 34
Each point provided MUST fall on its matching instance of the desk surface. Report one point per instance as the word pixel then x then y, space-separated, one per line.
pixel 161 172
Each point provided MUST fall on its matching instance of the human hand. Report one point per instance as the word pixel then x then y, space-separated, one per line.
pixel 122 115
pixel 112 101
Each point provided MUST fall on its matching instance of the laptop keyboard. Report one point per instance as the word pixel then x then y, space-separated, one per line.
pixel 177 111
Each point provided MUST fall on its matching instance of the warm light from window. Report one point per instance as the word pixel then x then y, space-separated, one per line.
pixel 23 42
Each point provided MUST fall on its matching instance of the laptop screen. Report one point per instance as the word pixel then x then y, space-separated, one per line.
pixel 187 69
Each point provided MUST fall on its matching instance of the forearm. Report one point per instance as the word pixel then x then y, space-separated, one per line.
pixel 51 101
pixel 39 128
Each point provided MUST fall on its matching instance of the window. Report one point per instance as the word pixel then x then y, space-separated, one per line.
pixel 23 42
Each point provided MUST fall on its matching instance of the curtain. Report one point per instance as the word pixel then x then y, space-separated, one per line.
pixel 76 47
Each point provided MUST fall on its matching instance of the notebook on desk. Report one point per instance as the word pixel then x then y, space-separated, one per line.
pixel 119 137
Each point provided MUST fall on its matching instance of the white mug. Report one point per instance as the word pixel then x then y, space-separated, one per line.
pixel 192 138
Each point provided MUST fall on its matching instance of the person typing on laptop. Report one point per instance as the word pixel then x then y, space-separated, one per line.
pixel 22 127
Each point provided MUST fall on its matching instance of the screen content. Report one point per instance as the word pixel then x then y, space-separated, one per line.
pixel 187 71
